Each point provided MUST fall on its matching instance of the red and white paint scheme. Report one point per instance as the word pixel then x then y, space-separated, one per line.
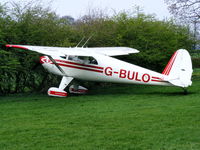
pixel 96 64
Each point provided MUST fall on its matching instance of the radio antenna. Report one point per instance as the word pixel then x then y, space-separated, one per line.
pixel 87 41
pixel 80 41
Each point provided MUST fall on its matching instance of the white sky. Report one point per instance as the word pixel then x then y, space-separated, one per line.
pixel 77 8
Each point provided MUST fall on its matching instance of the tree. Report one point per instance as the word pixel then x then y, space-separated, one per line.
pixel 185 9
pixel 68 20
pixel 156 40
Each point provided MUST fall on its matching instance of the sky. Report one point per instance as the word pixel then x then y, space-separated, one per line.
pixel 77 8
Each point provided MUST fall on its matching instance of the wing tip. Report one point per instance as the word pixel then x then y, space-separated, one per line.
pixel 16 46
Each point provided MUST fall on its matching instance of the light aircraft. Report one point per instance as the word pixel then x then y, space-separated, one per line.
pixel 97 64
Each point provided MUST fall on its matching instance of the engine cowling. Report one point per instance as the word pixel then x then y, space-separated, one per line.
pixel 53 91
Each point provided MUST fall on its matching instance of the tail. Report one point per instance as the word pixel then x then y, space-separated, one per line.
pixel 179 69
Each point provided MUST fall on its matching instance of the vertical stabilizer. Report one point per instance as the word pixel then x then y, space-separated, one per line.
pixel 179 69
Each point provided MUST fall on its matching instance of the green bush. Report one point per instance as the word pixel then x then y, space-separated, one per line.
pixel 196 62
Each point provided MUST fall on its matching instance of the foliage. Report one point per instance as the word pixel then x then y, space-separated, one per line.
pixel 196 62
pixel 157 40
pixel 36 25
pixel 8 67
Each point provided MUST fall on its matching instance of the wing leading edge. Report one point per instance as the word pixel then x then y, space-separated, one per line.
pixel 79 51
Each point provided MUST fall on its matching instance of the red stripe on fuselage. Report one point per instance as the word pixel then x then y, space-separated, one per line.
pixel 76 67
pixel 156 78
pixel 159 81
pixel 73 63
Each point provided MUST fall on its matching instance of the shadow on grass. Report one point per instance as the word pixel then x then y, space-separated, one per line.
pixel 141 90
pixel 180 93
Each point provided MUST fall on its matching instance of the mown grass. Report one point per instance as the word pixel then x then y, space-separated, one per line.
pixel 119 118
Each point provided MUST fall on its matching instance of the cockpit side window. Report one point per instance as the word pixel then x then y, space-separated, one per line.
pixel 93 61
pixel 70 57
pixel 64 57
pixel 83 59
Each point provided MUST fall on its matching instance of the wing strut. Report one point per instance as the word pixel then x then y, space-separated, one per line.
pixel 61 70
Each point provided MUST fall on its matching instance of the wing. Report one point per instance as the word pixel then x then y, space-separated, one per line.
pixel 79 51
pixel 114 51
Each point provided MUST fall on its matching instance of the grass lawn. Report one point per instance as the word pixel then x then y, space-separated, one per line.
pixel 128 117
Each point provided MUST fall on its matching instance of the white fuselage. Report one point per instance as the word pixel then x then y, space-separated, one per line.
pixel 106 69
